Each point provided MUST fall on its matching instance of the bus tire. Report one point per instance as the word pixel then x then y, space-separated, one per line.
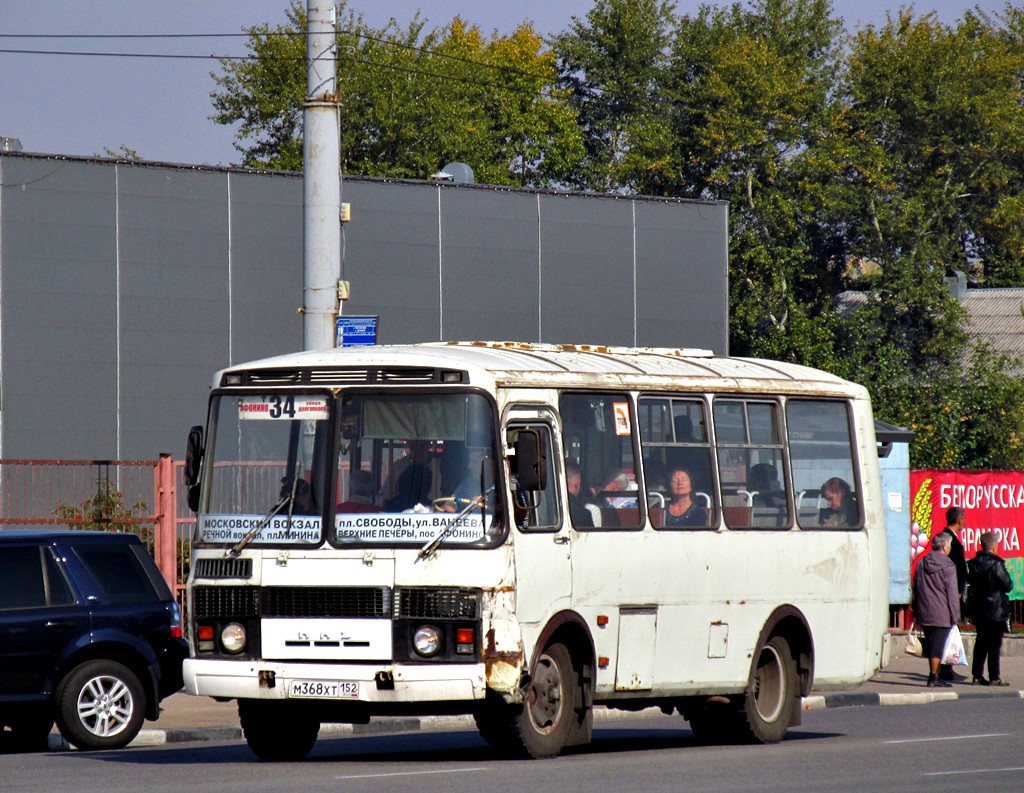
pixel 713 722
pixel 275 731
pixel 551 704
pixel 494 719
pixel 768 704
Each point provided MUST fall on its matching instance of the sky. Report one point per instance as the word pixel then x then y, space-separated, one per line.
pixel 86 105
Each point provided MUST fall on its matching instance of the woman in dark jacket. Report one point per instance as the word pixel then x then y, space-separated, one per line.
pixel 988 588
pixel 936 602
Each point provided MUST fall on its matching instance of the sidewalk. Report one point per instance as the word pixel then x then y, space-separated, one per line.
pixel 188 718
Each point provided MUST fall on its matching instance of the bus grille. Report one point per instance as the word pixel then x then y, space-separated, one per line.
pixel 349 602
pixel 224 601
pixel 287 601
pixel 251 601
pixel 350 376
pixel 437 603
pixel 223 568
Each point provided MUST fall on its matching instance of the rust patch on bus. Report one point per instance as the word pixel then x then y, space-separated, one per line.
pixel 503 664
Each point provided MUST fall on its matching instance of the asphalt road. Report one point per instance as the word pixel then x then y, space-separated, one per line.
pixel 944 746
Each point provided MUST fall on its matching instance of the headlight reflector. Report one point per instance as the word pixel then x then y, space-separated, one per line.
pixel 427 640
pixel 232 638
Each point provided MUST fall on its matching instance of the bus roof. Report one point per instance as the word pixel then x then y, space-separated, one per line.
pixel 512 364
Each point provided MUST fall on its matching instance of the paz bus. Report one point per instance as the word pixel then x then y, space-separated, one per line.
pixel 493 528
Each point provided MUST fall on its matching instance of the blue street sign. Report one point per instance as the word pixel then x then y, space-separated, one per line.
pixel 357 331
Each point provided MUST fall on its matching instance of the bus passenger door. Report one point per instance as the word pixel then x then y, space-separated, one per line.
pixel 543 571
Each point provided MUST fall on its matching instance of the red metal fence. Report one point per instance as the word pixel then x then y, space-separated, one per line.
pixel 142 496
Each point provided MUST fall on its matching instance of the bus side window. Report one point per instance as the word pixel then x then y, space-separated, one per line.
pixel 535 507
pixel 751 463
pixel 599 437
pixel 821 453
pixel 674 438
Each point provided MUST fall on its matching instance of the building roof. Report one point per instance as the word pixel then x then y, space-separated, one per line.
pixel 993 315
pixel 997 316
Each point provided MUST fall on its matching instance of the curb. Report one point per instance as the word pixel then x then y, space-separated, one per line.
pixel 160 737
pixel 867 698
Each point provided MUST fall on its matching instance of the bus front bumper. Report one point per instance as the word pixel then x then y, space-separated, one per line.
pixel 365 683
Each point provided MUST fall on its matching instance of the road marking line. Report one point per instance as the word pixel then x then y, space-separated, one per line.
pixel 412 773
pixel 976 771
pixel 953 738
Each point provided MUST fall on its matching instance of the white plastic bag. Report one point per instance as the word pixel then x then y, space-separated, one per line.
pixel 953 652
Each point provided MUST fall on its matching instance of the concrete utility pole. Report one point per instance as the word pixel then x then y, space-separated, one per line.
pixel 321 182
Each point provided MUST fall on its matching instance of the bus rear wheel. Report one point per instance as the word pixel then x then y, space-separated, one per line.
pixel 768 704
pixel 762 714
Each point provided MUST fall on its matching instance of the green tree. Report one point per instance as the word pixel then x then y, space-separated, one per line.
pixel 929 136
pixel 745 102
pixel 613 63
pixel 936 119
pixel 411 100
pixel 101 511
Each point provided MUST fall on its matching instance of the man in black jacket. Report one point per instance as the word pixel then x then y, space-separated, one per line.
pixel 955 525
pixel 989 585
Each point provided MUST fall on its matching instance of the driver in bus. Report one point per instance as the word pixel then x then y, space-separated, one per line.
pixel 477 485
pixel 411 479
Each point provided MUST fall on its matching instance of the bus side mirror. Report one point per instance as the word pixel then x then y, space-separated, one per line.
pixel 530 461
pixel 193 466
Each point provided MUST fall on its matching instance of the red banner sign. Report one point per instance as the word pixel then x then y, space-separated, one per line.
pixel 991 500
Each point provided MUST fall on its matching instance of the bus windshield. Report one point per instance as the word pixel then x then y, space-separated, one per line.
pixel 264 484
pixel 413 466
pixel 402 468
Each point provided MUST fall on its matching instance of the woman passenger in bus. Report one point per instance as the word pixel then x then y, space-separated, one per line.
pixel 840 511
pixel 682 509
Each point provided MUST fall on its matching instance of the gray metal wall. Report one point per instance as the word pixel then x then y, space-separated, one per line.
pixel 123 286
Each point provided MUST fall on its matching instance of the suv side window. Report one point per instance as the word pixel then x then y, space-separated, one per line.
pixel 30 578
pixel 118 572
pixel 57 590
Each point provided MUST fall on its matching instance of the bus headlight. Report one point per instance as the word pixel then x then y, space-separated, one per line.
pixel 427 640
pixel 232 638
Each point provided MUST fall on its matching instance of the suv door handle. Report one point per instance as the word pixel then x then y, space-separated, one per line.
pixel 56 623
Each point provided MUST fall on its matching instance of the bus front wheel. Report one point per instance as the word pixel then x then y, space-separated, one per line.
pixel 275 731
pixel 553 700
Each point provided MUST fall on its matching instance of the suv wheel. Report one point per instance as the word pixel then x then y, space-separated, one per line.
pixel 100 705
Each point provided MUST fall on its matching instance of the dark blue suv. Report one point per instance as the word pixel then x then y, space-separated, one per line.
pixel 90 637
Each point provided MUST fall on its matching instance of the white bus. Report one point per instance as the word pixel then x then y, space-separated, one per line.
pixel 523 532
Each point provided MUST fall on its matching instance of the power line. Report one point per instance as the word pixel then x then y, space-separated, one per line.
pixel 656 101
pixel 170 56
pixel 340 56
pixel 122 35
pixel 265 34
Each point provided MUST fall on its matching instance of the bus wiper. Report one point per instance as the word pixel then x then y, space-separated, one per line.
pixel 431 546
pixel 288 499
